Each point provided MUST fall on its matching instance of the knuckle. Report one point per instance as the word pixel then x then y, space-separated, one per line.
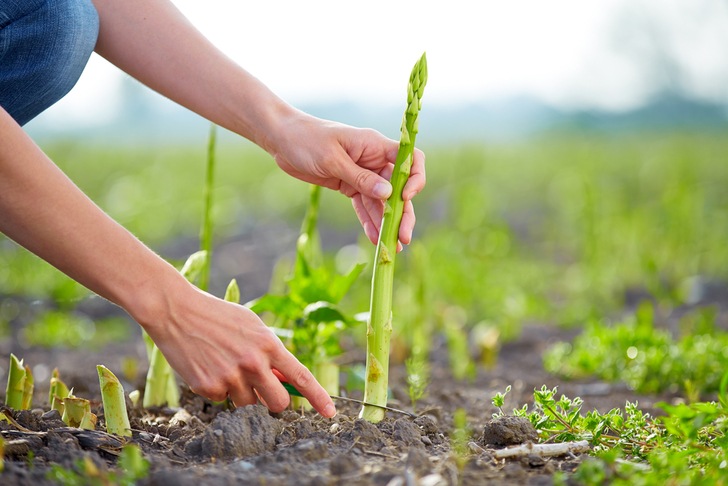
pixel 214 391
pixel 302 378
pixel 251 363
pixel 361 178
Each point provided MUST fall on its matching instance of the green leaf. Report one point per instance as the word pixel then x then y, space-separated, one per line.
pixel 342 283
pixel 280 305
pixel 323 312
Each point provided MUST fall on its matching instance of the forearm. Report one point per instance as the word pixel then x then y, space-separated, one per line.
pixel 42 210
pixel 153 42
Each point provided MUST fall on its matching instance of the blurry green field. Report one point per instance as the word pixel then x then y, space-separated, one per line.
pixel 553 229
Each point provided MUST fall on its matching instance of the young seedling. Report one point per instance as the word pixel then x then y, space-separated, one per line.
pixel 57 392
pixel 418 377
pixel 19 389
pixel 379 328
pixel 112 395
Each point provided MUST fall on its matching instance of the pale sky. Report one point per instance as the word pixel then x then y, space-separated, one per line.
pixel 569 53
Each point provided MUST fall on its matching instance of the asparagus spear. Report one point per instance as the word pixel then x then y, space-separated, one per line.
pixel 15 390
pixel 379 329
pixel 112 395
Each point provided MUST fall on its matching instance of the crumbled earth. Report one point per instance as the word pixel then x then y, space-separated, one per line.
pixel 205 443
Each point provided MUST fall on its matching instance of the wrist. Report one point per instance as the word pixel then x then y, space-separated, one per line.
pixel 152 303
pixel 273 120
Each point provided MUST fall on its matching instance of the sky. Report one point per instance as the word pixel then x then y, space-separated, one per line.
pixel 603 54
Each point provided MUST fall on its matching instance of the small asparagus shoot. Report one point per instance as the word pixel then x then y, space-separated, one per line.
pixel 77 413
pixel 57 392
pixel 232 292
pixel 16 390
pixel 379 328
pixel 28 388
pixel 112 396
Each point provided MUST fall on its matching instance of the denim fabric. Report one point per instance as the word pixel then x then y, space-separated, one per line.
pixel 44 47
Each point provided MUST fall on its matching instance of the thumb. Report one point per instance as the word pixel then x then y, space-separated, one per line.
pixel 366 182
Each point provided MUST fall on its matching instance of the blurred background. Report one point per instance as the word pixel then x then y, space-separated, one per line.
pixel 577 160
pixel 497 69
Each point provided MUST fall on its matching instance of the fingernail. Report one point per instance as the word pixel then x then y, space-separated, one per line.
pixel 382 189
pixel 329 411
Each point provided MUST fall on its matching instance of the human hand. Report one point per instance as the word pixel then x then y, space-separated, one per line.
pixel 357 162
pixel 221 349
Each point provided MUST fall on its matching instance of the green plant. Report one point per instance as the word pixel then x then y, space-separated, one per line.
pixel 379 327
pixel 418 377
pixel 306 315
pixel 112 395
pixel 77 412
pixel 57 392
pixel 460 438
pixel 207 223
pixel 688 445
pixel 648 359
pixel 73 330
pixel 19 389
pixel 84 472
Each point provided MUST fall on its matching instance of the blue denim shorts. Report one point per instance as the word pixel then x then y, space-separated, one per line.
pixel 44 47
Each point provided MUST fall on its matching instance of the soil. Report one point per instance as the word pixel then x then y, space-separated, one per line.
pixel 205 443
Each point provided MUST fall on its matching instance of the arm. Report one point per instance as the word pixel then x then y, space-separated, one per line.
pixel 153 42
pixel 218 348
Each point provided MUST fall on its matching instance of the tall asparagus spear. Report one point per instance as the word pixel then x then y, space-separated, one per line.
pixel 379 329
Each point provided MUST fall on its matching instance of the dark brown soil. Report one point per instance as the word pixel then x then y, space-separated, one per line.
pixel 206 444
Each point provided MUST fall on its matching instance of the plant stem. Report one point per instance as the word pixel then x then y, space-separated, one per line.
pixel 379 328
pixel 16 384
pixel 206 230
pixel 112 395
pixel 308 247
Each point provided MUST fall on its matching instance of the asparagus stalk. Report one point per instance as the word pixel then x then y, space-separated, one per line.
pixel 112 396
pixel 379 328
pixel 206 229
pixel 15 389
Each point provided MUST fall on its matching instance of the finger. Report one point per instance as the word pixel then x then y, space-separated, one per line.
pixel 243 395
pixel 370 229
pixel 271 392
pixel 417 178
pixel 303 380
pixel 362 180
pixel 407 226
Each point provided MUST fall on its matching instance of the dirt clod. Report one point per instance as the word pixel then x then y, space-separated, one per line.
pixel 508 430
pixel 343 464
pixel 247 431
pixel 407 433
